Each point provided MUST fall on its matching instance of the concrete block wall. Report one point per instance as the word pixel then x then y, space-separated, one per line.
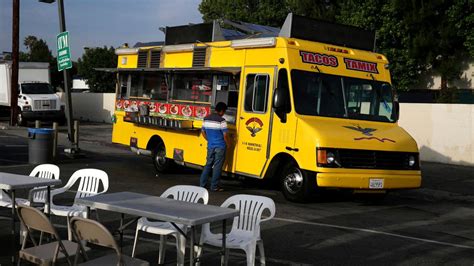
pixel 94 107
pixel 444 132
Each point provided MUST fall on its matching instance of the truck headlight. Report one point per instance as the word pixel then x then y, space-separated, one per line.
pixel 411 160
pixel 330 157
pixel 26 108
pixel 327 158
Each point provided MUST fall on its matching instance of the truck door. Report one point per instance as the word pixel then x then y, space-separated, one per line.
pixel 254 120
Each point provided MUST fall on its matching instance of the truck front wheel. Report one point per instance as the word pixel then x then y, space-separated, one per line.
pixel 296 184
pixel 160 161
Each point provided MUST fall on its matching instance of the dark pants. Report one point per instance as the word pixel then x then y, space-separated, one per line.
pixel 214 161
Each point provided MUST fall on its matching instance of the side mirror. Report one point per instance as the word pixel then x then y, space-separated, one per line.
pixel 280 103
pixel 278 98
pixel 396 111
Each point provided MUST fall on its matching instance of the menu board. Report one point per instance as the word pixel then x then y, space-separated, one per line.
pixel 166 110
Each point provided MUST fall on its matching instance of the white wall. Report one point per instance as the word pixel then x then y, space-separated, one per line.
pixel 95 107
pixel 444 132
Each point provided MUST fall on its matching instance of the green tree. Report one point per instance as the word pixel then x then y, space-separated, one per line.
pixel 37 50
pixel 435 42
pixel 318 9
pixel 265 12
pixel 98 58
pixel 461 17
pixel 386 18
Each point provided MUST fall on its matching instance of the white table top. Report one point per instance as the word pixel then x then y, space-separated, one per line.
pixel 13 181
pixel 158 208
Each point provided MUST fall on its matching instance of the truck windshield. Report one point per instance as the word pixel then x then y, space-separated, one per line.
pixel 36 88
pixel 342 97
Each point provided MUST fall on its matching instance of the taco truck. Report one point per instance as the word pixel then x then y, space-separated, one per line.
pixel 309 105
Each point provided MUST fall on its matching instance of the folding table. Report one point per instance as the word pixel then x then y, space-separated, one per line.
pixel 164 209
pixel 13 182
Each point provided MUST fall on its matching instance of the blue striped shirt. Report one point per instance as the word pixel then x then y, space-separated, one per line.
pixel 215 126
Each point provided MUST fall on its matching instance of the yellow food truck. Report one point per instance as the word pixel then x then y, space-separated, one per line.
pixel 310 105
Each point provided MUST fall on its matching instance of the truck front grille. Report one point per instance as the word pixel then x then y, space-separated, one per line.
pixel 368 159
pixel 44 105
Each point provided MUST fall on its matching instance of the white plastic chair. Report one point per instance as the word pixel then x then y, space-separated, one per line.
pixel 89 182
pixel 245 232
pixel 36 195
pixel 184 193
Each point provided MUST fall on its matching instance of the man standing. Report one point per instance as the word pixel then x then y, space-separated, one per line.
pixel 214 130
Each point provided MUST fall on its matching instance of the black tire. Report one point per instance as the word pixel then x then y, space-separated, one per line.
pixel 161 163
pixel 20 120
pixel 297 185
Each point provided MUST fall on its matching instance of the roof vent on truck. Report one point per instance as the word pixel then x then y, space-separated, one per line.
pixel 212 32
pixel 327 32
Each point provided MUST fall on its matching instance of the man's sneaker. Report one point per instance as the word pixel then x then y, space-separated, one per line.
pixel 217 189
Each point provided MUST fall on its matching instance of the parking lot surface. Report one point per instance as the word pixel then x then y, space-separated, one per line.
pixel 428 226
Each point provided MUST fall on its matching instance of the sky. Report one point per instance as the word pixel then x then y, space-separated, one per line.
pixel 95 23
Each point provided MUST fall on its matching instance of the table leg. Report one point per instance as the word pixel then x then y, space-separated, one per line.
pixel 191 247
pixel 13 231
pixel 88 212
pixel 122 217
pixel 48 196
pixel 224 250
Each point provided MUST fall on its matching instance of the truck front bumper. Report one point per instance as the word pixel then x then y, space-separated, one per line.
pixel 362 181
pixel 44 115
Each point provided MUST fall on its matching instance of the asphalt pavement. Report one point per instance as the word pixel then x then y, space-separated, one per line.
pixel 428 226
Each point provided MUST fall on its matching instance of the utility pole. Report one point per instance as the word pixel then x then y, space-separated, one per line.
pixel 62 28
pixel 15 63
pixel 70 130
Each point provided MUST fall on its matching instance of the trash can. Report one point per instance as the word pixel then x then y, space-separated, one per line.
pixel 40 145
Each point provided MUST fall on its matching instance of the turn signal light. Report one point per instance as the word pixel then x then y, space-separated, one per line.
pixel 322 157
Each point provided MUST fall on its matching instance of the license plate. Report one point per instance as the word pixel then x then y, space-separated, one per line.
pixel 375 183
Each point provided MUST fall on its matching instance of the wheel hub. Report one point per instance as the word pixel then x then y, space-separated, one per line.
pixel 160 158
pixel 293 181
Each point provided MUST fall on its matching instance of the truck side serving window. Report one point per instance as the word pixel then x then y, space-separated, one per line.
pixel 123 85
pixel 256 93
pixel 144 85
pixel 226 90
pixel 192 87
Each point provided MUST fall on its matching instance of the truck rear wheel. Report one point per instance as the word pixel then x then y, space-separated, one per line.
pixel 296 184
pixel 161 163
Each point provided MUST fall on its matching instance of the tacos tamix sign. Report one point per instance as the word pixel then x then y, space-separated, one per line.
pixel 319 59
pixel 64 53
pixel 361 65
